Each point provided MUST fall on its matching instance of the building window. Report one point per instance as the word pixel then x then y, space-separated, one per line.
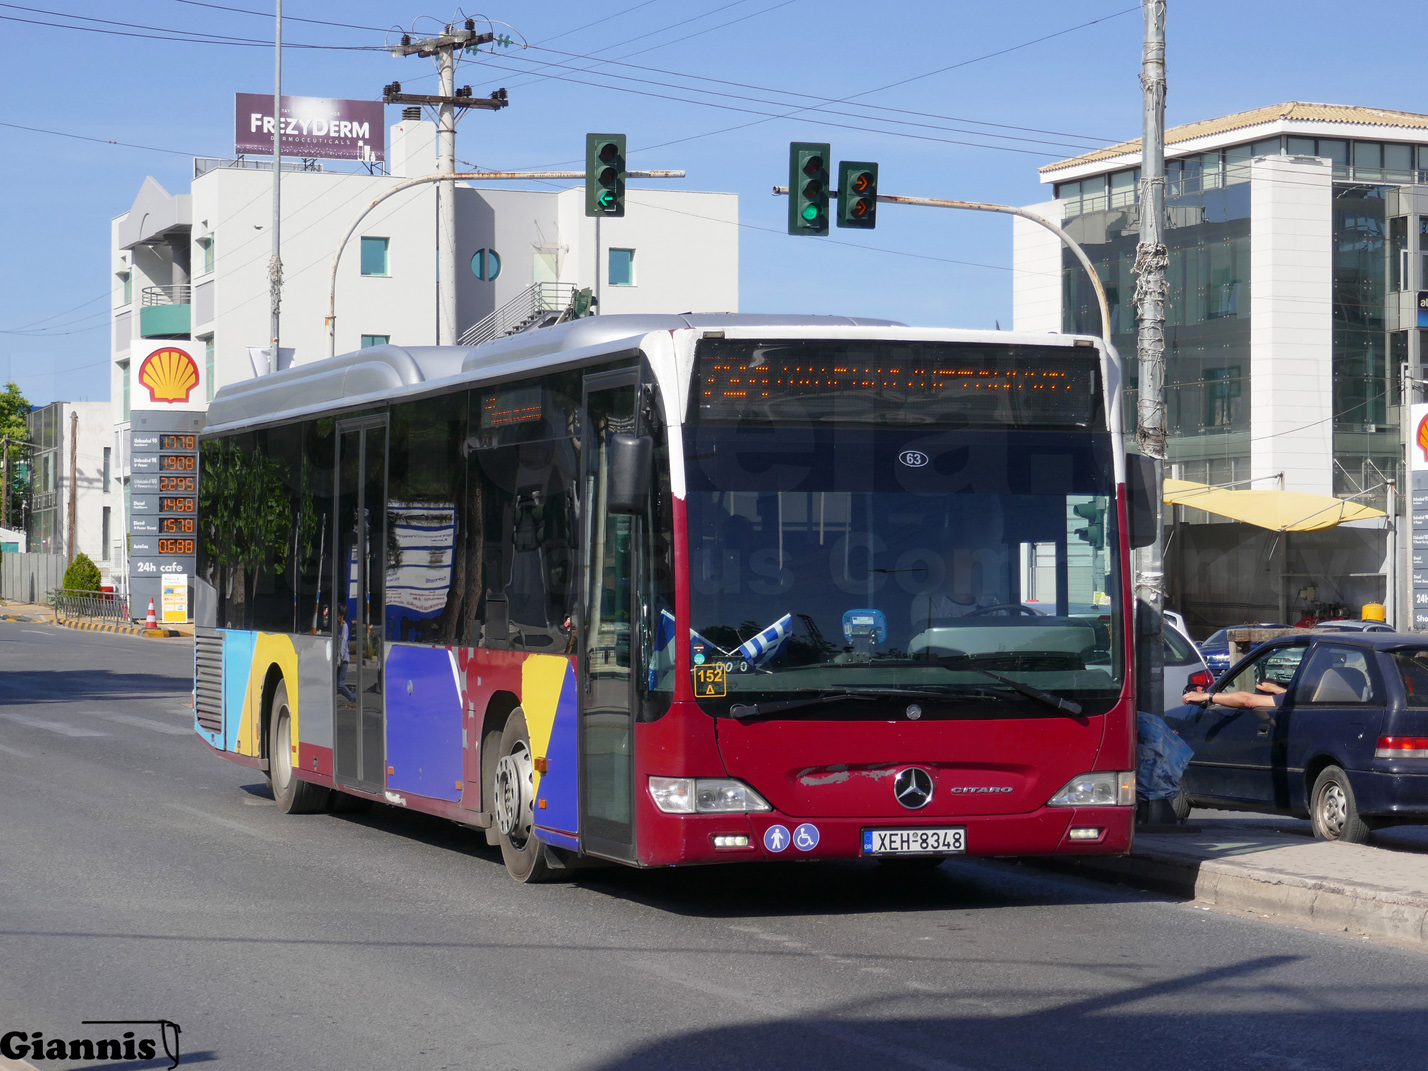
pixel 126 283
pixel 124 386
pixel 206 244
pixel 622 267
pixel 208 366
pixel 104 527
pixel 486 265
pixel 1222 391
pixel 374 256
pixel 375 340
pixel 108 452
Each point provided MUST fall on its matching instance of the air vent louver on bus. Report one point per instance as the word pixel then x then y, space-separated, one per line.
pixel 208 679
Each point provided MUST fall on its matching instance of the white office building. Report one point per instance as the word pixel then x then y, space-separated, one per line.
pixel 192 267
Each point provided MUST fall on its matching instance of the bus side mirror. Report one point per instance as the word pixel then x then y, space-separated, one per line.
pixel 1141 515
pixel 631 461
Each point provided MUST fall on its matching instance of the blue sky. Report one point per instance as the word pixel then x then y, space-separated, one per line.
pixel 1000 104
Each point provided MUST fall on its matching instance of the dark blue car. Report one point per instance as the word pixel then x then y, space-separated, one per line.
pixel 1344 741
pixel 1215 648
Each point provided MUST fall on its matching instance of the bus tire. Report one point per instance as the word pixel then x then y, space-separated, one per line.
pixel 490 749
pixel 293 795
pixel 513 804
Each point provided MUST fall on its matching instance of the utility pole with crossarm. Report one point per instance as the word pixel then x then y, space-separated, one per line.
pixel 444 47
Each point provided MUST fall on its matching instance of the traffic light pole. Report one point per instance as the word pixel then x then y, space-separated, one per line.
pixel 422 180
pixel 1011 210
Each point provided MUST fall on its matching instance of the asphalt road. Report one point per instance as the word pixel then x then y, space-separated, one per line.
pixel 143 878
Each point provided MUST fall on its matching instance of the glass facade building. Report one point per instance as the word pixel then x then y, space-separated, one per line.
pixel 1377 252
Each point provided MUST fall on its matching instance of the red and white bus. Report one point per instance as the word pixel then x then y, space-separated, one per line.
pixel 662 590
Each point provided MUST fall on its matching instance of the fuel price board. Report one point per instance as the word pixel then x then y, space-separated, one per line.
pixel 163 500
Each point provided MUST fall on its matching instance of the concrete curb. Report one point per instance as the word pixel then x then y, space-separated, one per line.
pixel 1241 883
pixel 127 630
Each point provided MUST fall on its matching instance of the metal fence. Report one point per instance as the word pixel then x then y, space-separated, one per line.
pixel 30 577
pixel 89 605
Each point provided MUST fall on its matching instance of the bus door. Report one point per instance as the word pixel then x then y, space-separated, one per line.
pixel 607 696
pixel 358 724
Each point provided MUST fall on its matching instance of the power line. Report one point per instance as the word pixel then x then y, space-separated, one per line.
pixel 55 316
pixel 101 141
pixel 164 33
pixel 286 17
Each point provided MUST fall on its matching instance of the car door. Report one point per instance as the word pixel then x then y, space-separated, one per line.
pixel 1234 746
pixel 1337 710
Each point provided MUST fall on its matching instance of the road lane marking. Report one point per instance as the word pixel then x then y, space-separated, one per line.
pixel 239 826
pixel 53 726
pixel 147 723
pixel 16 752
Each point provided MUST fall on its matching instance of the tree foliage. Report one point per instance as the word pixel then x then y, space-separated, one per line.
pixel 82 574
pixel 14 407
pixel 244 517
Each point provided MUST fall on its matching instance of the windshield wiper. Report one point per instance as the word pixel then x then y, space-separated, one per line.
pixel 1070 706
pixel 751 710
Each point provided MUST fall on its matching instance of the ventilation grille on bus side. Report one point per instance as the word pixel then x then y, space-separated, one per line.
pixel 208 679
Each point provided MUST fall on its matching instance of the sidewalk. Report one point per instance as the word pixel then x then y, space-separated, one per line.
pixel 19 611
pixel 1272 866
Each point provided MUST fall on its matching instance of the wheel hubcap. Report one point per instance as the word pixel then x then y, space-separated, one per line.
pixel 282 762
pixel 515 794
pixel 1333 808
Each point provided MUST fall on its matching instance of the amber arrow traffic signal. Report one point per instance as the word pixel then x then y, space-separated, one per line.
pixel 857 194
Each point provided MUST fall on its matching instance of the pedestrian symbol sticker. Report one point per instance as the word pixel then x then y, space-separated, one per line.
pixel 776 838
pixel 805 837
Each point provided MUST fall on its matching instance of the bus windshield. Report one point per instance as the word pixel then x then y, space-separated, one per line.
pixel 890 556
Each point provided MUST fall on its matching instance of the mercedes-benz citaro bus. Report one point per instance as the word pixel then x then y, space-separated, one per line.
pixel 662 590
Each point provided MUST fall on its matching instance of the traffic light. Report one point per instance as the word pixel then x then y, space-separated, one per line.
pixel 807 188
pixel 1095 517
pixel 857 194
pixel 604 174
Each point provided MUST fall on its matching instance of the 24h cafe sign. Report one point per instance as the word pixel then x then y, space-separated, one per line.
pixel 313 127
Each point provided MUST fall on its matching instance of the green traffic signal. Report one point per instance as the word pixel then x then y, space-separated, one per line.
pixel 1095 531
pixel 807 188
pixel 857 194
pixel 605 175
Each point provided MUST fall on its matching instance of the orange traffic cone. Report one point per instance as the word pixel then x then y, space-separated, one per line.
pixel 151 621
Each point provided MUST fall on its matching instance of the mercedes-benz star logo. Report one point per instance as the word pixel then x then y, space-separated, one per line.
pixel 913 787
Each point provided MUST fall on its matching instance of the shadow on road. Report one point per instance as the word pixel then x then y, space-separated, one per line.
pixel 72 685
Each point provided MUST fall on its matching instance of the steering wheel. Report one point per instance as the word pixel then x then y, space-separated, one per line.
pixel 1010 609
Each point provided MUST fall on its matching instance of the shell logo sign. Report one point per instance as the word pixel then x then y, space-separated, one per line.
pixel 1422 437
pixel 170 375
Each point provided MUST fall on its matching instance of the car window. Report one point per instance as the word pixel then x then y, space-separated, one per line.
pixel 1222 636
pixel 1336 674
pixel 1178 650
pixel 1413 669
pixel 1276 665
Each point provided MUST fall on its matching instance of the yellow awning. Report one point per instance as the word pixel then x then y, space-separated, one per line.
pixel 1279 511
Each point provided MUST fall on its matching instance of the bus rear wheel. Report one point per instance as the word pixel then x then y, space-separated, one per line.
pixel 293 796
pixel 513 804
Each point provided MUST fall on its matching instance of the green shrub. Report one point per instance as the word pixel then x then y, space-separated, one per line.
pixel 82 574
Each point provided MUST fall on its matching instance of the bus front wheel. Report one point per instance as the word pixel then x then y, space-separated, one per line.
pixel 294 796
pixel 513 804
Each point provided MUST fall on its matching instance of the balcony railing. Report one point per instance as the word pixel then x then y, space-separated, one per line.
pixel 166 311
pixel 178 294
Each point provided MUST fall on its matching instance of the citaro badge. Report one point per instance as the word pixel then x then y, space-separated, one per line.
pixel 170 374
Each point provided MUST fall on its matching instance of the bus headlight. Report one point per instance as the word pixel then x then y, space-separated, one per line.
pixel 1106 788
pixel 705 795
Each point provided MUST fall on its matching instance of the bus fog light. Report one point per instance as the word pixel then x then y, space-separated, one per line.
pixel 1085 833
pixel 1104 788
pixel 673 795
pixel 733 840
